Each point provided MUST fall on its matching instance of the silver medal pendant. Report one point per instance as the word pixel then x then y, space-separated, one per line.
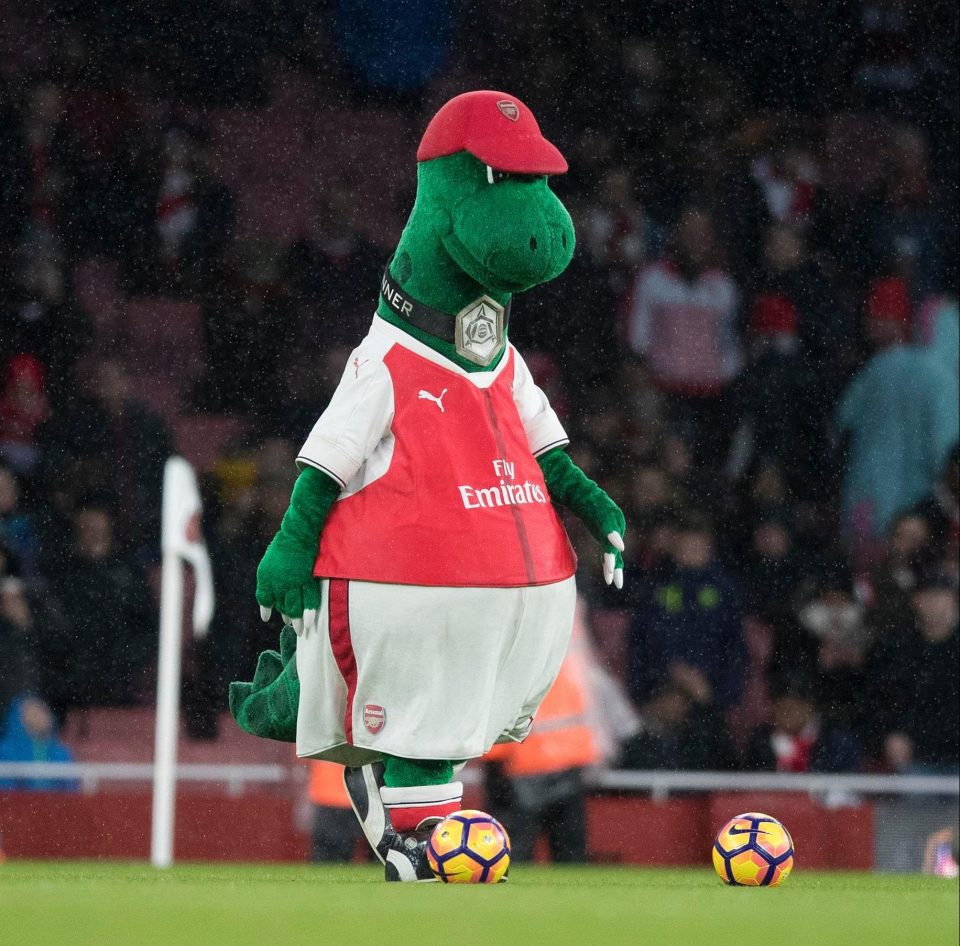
pixel 479 331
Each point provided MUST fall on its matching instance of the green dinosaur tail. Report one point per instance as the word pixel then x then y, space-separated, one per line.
pixel 267 706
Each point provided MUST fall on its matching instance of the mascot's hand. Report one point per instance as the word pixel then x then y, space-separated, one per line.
pixel 285 581
pixel 285 577
pixel 607 524
pixel 613 559
pixel 571 487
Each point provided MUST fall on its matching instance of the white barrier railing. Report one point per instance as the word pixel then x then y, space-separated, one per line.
pixel 91 774
pixel 661 784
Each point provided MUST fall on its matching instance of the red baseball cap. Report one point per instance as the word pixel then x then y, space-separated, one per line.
pixel 495 128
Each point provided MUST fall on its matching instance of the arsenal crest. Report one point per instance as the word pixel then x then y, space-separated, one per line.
pixel 374 718
pixel 479 331
pixel 509 109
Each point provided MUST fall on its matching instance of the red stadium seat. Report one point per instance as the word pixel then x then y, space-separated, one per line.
pixel 854 151
pixel 126 735
pixel 263 155
pixel 277 159
pixel 96 287
pixel 110 734
pixel 164 394
pixel 201 439
pixel 166 337
pixel 610 630
pixel 234 745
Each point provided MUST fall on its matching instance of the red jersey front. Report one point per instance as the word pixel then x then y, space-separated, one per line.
pixel 448 492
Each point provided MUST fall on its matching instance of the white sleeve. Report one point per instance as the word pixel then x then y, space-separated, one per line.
pixel 543 428
pixel 357 418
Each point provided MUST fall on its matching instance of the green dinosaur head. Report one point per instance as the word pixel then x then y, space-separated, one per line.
pixel 485 222
pixel 507 232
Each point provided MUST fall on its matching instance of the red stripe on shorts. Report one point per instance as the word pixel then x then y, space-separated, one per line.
pixel 338 606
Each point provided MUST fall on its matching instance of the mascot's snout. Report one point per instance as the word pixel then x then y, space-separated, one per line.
pixel 511 234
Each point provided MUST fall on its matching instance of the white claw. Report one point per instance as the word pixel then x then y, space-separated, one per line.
pixel 618 578
pixel 616 540
pixel 608 567
pixel 298 626
pixel 311 617
pixel 265 613
pixel 286 619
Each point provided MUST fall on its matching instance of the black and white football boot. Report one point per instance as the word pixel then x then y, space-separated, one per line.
pixel 407 858
pixel 363 785
pixel 404 856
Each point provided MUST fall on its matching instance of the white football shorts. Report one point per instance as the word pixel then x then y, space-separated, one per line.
pixel 427 673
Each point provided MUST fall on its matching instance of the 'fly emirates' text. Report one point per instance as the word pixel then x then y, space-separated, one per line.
pixel 504 493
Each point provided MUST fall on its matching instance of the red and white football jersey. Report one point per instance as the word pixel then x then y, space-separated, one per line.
pixel 441 484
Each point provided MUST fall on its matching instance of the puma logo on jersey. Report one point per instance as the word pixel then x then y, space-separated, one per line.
pixel 357 365
pixel 438 400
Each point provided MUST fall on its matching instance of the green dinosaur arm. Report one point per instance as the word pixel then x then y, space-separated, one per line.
pixel 285 576
pixel 267 706
pixel 569 486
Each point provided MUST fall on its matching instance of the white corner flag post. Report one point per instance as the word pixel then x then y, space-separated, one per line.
pixel 181 541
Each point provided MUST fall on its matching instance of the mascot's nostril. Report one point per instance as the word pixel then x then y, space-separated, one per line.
pixel 533 243
pixel 563 240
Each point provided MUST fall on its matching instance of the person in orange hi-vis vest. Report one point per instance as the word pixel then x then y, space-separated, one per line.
pixel 541 780
pixel 335 829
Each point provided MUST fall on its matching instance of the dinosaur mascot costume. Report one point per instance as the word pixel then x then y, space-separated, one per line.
pixel 423 576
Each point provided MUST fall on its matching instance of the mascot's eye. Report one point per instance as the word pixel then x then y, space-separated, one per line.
pixel 496 177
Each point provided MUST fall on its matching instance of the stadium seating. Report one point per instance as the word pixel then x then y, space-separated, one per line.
pixel 95 285
pixel 169 330
pixel 854 149
pixel 201 438
pixel 126 735
pixel 166 351
pixel 261 158
pixel 610 629
pixel 277 159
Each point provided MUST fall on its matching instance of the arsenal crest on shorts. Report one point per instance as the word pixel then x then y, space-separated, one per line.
pixel 374 717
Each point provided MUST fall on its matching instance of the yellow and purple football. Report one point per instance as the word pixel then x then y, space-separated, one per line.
pixel 469 847
pixel 753 850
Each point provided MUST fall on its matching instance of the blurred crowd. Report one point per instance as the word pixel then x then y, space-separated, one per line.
pixel 755 349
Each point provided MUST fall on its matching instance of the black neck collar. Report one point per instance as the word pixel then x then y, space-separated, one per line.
pixel 432 321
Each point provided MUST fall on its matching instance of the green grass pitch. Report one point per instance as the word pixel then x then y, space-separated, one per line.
pixel 102 904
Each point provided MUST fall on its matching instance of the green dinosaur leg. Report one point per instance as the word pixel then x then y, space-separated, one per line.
pixel 406 773
pixel 267 706
pixel 417 789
